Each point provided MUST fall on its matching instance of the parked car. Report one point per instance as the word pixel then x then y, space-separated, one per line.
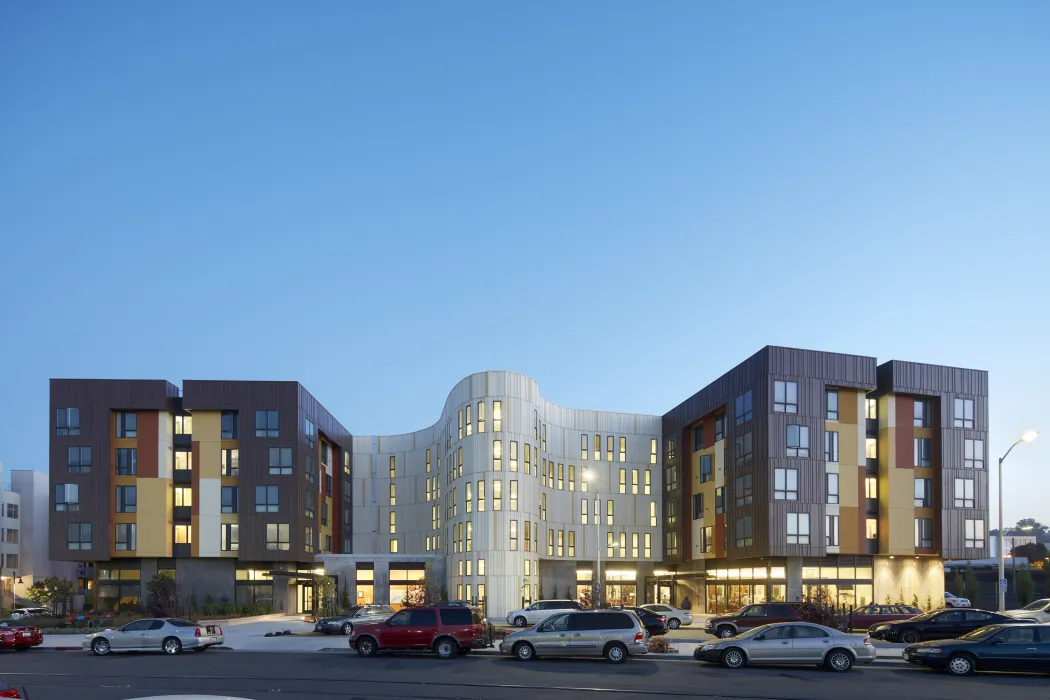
pixel 445 630
pixel 952 601
pixel 940 624
pixel 864 618
pixel 170 635
pixel 1038 611
pixel 993 648
pixel 613 634
pixel 357 615
pixel 540 611
pixel 676 617
pixel 654 624
pixel 751 616
pixel 790 643
pixel 8 691
pixel 15 634
pixel 22 613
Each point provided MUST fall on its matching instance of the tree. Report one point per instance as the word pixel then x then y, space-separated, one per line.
pixel 929 603
pixel 1025 587
pixel 324 595
pixel 345 601
pixel 39 594
pixel 51 591
pixel 957 586
pixel 426 591
pixel 1029 526
pixel 164 598
pixel 971 586
pixel 818 608
pixel 1033 552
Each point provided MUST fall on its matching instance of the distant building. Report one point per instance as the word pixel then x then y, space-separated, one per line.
pixel 10 538
pixel 32 488
pixel 1011 542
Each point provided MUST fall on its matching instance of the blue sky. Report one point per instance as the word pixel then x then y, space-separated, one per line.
pixel 622 200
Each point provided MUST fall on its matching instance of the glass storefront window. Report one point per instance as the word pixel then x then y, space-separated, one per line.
pixel 847 573
pixel 620 594
pixel 758 573
pixel 829 573
pixel 864 593
pixel 617 576
pixel 864 573
pixel 365 594
pixel 777 593
pixel 778 572
pixel 366 575
pixel 583 574
pixel 810 572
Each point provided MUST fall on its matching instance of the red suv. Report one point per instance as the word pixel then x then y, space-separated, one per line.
pixel 751 616
pixel 445 630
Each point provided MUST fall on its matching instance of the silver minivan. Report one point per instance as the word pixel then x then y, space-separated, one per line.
pixel 614 634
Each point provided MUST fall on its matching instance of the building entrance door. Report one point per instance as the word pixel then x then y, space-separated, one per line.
pixel 306 598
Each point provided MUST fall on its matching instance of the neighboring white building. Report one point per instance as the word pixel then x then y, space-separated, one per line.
pixel 10 540
pixel 1011 542
pixel 32 487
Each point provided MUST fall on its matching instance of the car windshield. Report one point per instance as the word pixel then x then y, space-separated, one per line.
pixel 1037 605
pixel 981 632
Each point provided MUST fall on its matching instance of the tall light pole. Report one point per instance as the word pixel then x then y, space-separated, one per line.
pixel 596 587
pixel 1029 436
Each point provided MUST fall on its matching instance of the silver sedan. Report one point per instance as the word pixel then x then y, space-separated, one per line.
pixel 676 617
pixel 790 643
pixel 170 635
pixel 357 615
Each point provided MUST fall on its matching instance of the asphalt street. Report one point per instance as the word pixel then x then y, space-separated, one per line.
pixel 289 676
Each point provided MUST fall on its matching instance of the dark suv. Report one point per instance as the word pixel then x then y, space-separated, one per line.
pixel 751 616
pixel 442 629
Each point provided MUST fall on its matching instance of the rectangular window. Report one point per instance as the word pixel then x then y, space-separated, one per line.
pixel 707 540
pixel 229 496
pixel 623 545
pixel 125 537
pixel 720 500
pixel 481 496
pixel 698 438
pixel 127 424
pixel 610 545
pixel 497 494
pixel 393 495
pixel 923 452
pixel 469 491
pixel 497 416
pixel 964 493
pixel 183 534
pixel 544 440
pixel 310 469
pixel 277 537
pixel 79 536
pixel 785 397
pixel 528 458
pixel 67 422
pixel 514 535
pixel 459 464
pixel 698 506
pixel 609 441
pixel 228 425
pixel 923 493
pixel 230 462
pixel 743 449
pixel 871 448
pixel 871 528
pixel 561 476
pixel 742 489
pixel 470 423
pixel 832 481
pixel 720 426
pixel 797 441
pixel 230 537
pixel 572 543
pixel 623 481
pixel 183 461
pixel 924 532
pixel 743 530
pixel 550 543
pixel 267 424
pixel 871 409
pixel 831 446
pixel 648 482
pixel 963 417
pixel 705 469
pixel 634 482
pixel 309 432
pixel 798 528
pixel 609 512
pixel 785 484
pixel 832 400
pixel 597 447
pixel 513 455
pixel 543 506
pixel 647 545
pixel 266 499
pixel 623 449
pixel 922 413
pixel 652 451
pixel 871 488
pixel 67 498
pixel 481 416
pixel 584 512
pixel 392 464
pixel 127 499
pixel 393 523
pixel 497 456
pixel 78 460
pixel 572 477
pixel 831 530
pixel 127 461
pixel 280 460
pixel 743 407
pixel 973 454
pixel 459 434
pixel 514 495
pixel 428 461
pixel 583 447
pixel 652 514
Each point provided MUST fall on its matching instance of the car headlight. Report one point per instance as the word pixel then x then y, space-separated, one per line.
pixel 709 647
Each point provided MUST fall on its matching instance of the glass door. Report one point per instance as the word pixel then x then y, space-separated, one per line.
pixel 306 598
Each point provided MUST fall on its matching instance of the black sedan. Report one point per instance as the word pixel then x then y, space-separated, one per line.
pixel 992 648
pixel 949 623
pixel 655 624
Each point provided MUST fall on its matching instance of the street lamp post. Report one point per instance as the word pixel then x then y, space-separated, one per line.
pixel 1029 436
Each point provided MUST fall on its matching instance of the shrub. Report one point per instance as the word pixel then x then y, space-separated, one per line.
pixel 818 608
pixel 660 645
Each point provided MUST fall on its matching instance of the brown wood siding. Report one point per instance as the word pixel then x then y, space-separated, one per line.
pixel 195 481
pixel 905 432
pixel 149 436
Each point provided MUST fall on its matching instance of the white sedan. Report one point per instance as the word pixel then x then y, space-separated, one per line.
pixel 676 617
pixel 1038 610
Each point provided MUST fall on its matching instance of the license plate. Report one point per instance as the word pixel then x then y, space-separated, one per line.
pixel 27 634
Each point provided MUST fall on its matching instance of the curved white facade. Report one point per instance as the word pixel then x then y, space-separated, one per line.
pixel 423 509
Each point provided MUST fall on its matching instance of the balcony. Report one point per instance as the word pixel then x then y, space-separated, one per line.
pixel 183 476
pixel 873 546
pixel 181 550
pixel 182 514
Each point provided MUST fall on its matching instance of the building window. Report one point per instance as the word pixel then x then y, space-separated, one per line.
pixel 597 447
pixel 393 523
pixel 481 496
pixel 974 534
pixel 125 539
pixel 544 440
pixel 610 545
pixel 832 486
pixel 481 416
pixel 963 414
pixel 634 482
pixel 609 512
pixel 707 540
pixel 720 500
pixel 652 451
pixel 922 413
pixel 561 476
pixel 584 512
pixel 543 506
pixel 183 461
pixel 528 458
pixel 923 452
pixel 459 464
pixel 623 449
pixel 871 409
pixel 832 400
pixel 183 496
pixel 743 407
pixel 127 499
pixel 513 494
pixel 583 447
pixel 277 537
pixel 513 455
pixel 514 535
pixel 78 460
pixel 67 421
pixel 742 488
pixel 798 528
pixel 309 432
pixel 785 484
pixel 743 530
pixel 698 506
pixel 871 488
pixel 470 423
pixel 468 491
pixel 78 536
pixel 924 532
pixel 497 416
pixel 648 486
pixel 973 454
pixel 831 446
pixel 183 534
pixel 229 425
pixel 550 543
pixel 267 424
pixel 871 528
pixel 266 499
pixel 652 514
pixel 572 543
pixel 705 469
pixel 229 495
pixel 671 512
pixel 720 425
pixel 785 397
pixel 497 455
pixel 797 441
pixel 497 494
pixel 12 511
pixel 459 433
pixel 310 470
pixel 67 498
pixel 231 537
pixel 831 530
pixel 609 441
pixel 698 437
pixel 127 424
pixel 428 461
pixel 231 462
pixel 623 481
pixel 572 477
pixel 743 449
pixel 393 496
pixel 647 545
pixel 964 493
pixel 281 461
pixel 923 493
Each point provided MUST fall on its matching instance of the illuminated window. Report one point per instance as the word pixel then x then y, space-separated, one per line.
pixel 469 490
pixel 623 545
pixel 572 478
pixel 623 481
pixel 513 455
pixel 785 397
pixel 528 458
pixel 720 500
pixel 648 482
pixel 460 433
pixel 647 550
pixel 871 527
pixel 652 450
pixel 183 534
pixel 470 426
pixel 583 447
pixel 183 496
pixel 497 416
pixel 572 543
pixel 470 536
pixel 597 447
pixel 481 496
pixel 583 510
pixel 230 462
pixel 610 545
pixel 609 512
pixel 514 495
pixel 393 494
pixel 798 528
pixel 183 425
pixel 183 461
pixel 230 537
pixel 609 448
pixel 871 409
pixel 623 449
pixel 561 476
pixel 497 495
pixel 871 487
pixel 308 538
pixel 544 440
pixel 543 506
pixel 513 535
pixel 634 482
pixel 428 461
pixel 871 448
pixel 459 463
pixel 550 543
pixel 497 455
pixel 393 545
pixel 707 540
pixel 634 545
pixel 652 513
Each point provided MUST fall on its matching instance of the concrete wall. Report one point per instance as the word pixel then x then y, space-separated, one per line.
pixel 911 576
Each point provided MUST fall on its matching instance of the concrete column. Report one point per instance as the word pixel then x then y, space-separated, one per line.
pixel 794 578
pixel 382 582
pixel 147 570
pixel 643 591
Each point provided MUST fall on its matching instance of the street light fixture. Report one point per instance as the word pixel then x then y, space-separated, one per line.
pixel 1028 436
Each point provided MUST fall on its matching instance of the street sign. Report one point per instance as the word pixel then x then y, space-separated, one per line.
pixel 1002 585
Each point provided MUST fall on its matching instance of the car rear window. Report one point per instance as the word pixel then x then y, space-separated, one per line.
pixel 180 623
pixel 616 621
pixel 456 616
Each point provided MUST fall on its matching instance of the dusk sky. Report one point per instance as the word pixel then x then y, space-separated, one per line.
pixel 621 200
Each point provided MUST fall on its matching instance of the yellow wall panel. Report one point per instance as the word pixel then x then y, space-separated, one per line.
pixel 849 478
pixel 848 436
pixel 849 528
pixel 897 511
pixel 195 528
pixel 154 515
pixel 207 427
pixel 848 407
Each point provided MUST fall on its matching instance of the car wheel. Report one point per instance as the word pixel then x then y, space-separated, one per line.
pixel 838 660
pixel 733 658
pixel 366 646
pixel 520 621
pixel 347 628
pixel 171 646
pixel 725 632
pixel 445 648
pixel 616 653
pixel 911 637
pixel 100 647
pixel 674 623
pixel 961 665
pixel 523 651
